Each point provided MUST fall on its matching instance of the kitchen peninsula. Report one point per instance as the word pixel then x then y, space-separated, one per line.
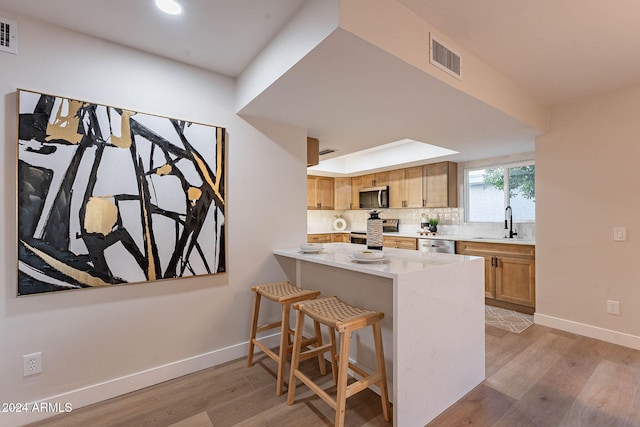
pixel 433 330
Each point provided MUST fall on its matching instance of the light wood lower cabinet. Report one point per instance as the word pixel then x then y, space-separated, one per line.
pixel 319 238
pixel 340 238
pixel 328 238
pixel 400 242
pixel 510 278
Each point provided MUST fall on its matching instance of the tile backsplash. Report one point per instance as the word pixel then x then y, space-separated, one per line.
pixel 451 221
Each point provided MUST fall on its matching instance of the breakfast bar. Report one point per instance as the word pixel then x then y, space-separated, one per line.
pixel 433 329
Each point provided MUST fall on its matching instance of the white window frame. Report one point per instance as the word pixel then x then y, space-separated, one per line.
pixel 521 163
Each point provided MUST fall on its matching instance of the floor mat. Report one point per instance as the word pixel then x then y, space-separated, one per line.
pixel 508 320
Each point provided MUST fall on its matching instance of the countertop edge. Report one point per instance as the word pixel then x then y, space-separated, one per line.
pixel 503 240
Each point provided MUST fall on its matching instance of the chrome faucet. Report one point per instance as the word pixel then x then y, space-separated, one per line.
pixel 508 222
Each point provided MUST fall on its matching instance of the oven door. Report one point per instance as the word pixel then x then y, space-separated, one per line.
pixel 358 238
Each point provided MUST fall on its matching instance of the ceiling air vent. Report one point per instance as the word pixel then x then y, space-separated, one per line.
pixel 8 36
pixel 444 58
pixel 327 151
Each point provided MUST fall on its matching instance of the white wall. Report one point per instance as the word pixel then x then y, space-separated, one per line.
pixel 394 28
pixel 98 343
pixel 587 184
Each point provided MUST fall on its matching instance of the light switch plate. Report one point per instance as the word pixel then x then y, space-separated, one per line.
pixel 620 234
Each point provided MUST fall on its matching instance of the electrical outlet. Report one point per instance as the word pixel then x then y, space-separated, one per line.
pixel 31 364
pixel 613 307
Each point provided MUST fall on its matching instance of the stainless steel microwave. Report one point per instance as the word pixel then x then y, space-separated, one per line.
pixel 374 197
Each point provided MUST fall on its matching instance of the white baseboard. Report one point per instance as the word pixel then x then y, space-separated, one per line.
pixel 94 393
pixel 602 334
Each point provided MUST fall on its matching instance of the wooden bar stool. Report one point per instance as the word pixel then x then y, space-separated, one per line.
pixel 285 294
pixel 343 318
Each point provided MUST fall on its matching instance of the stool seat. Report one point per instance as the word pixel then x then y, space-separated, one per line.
pixel 343 318
pixel 286 294
pixel 337 314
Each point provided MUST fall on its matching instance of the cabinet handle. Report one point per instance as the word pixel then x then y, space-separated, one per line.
pixel 319 205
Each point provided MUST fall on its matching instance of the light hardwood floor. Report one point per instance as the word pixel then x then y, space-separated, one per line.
pixel 541 377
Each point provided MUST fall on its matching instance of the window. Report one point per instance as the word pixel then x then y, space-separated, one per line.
pixel 489 190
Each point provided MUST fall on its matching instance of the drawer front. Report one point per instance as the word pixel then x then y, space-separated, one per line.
pixel 400 242
pixel 319 238
pixel 495 249
pixel 340 238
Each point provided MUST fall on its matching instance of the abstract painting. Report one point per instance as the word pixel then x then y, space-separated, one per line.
pixel 109 196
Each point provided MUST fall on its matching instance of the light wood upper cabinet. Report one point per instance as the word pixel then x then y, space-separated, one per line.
pixel 428 186
pixel 405 188
pixel 343 194
pixel 356 185
pixel 413 187
pixel 320 193
pixel 396 188
pixel 311 192
pixel 440 185
pixel 378 179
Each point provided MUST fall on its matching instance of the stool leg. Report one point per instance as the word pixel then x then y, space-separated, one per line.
pixel 333 354
pixel 321 364
pixel 295 357
pixel 254 327
pixel 284 347
pixel 384 391
pixel 343 370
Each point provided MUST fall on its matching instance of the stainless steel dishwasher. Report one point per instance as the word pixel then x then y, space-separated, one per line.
pixel 438 245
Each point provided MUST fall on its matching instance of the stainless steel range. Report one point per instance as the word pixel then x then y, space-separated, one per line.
pixel 388 226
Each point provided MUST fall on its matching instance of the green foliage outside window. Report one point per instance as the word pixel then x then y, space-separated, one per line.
pixel 521 180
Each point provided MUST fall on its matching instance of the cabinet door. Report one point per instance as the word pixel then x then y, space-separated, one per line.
pixel 440 185
pixel 343 193
pixel 515 280
pixel 311 192
pixel 413 187
pixel 356 185
pixel 380 179
pixel 324 193
pixel 396 188
pixel 367 180
pixel 374 179
pixel 489 278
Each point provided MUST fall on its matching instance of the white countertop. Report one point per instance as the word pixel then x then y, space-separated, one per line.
pixel 395 263
pixel 514 241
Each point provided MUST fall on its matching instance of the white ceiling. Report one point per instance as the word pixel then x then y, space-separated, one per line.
pixel 218 35
pixel 360 96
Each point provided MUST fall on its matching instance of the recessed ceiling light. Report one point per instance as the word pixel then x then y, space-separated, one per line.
pixel 391 154
pixel 171 7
